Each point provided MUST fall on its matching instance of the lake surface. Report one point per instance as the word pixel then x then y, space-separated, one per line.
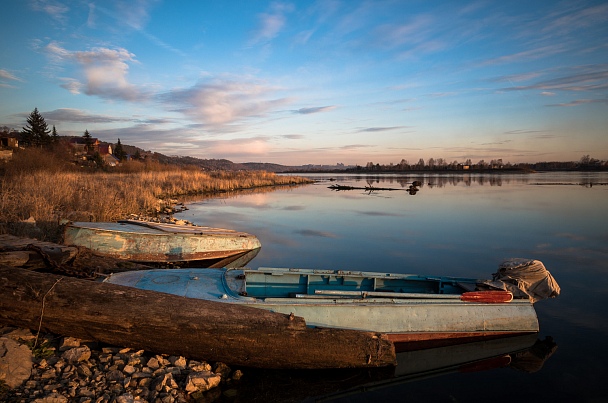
pixel 455 225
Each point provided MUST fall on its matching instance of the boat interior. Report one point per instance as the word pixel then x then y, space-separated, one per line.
pixel 302 283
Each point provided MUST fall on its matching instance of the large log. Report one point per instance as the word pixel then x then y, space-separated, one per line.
pixel 170 324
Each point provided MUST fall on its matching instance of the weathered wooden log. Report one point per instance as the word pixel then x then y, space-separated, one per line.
pixel 15 258
pixel 32 253
pixel 170 324
pixel 79 261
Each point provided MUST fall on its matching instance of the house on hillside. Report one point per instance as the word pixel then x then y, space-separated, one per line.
pixel 79 144
pixel 9 142
pixel 110 159
pixel 104 149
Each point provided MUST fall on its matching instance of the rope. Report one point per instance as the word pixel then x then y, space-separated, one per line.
pixel 42 311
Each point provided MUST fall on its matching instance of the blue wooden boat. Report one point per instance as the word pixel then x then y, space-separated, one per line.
pixel 405 307
pixel 151 242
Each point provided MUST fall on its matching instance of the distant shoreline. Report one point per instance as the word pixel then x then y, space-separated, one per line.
pixel 444 171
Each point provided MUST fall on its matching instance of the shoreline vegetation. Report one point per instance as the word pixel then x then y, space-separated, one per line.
pixel 38 190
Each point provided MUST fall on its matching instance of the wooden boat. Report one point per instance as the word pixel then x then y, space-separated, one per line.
pixel 150 242
pixel 407 308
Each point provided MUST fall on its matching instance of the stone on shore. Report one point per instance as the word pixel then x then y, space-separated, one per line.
pixel 93 374
pixel 15 362
pixel 202 381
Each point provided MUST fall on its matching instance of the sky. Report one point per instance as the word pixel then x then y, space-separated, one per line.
pixel 315 82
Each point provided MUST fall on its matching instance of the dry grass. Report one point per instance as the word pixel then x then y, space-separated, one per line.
pixel 49 195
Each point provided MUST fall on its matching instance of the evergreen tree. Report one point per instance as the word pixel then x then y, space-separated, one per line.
pixel 88 141
pixel 36 132
pixel 54 136
pixel 119 152
pixel 98 160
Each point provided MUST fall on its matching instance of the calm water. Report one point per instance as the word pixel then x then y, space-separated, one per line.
pixel 460 225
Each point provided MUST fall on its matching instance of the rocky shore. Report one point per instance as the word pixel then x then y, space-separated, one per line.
pixel 55 369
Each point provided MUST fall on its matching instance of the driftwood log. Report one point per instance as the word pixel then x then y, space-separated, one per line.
pixel 74 261
pixel 170 324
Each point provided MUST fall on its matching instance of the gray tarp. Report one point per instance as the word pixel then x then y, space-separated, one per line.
pixel 526 277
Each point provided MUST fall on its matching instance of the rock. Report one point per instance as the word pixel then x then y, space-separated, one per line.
pixel 115 376
pixel 139 375
pixel 49 373
pixel 84 371
pixel 179 362
pixel 222 369
pixel 162 360
pixel 198 366
pixel 237 375
pixel 15 362
pixel 202 381
pixel 20 334
pixel 153 363
pixel 77 354
pixel 129 369
pixel 126 398
pixel 79 372
pixel 68 343
pixel 85 392
pixel 52 398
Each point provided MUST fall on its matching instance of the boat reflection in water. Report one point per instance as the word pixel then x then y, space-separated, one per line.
pixel 522 353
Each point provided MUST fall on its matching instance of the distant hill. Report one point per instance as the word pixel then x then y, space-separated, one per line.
pixel 224 164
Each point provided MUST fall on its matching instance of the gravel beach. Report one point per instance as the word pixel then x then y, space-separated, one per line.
pixel 56 369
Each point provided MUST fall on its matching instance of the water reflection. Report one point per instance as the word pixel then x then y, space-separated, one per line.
pixel 585 179
pixel 457 225
pixel 522 353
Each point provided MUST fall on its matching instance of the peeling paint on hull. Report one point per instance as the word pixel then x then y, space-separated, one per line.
pixel 159 243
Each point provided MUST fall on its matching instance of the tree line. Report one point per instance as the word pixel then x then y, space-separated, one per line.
pixel 586 162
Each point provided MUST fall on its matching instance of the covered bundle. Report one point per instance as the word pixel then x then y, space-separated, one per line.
pixel 527 277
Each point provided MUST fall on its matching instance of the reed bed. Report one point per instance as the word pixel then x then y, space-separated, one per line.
pixel 33 202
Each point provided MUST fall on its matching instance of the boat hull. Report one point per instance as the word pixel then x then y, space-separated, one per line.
pixel 161 243
pixel 403 320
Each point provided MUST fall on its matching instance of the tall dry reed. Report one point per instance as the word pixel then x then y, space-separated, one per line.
pixel 47 196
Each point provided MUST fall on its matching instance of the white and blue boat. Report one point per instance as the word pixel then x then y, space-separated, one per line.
pixel 405 307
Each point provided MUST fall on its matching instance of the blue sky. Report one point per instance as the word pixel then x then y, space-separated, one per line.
pixel 321 82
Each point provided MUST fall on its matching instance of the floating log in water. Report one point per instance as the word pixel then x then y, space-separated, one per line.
pixel 170 324
pixel 411 190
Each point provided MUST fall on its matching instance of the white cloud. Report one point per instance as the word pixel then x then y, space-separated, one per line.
pixel 80 116
pixel 6 75
pixel 271 23
pixel 587 80
pixel 72 85
pixel 135 12
pixel 316 109
pixel 224 101
pixel 53 8
pixel 582 102
pixel 104 72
